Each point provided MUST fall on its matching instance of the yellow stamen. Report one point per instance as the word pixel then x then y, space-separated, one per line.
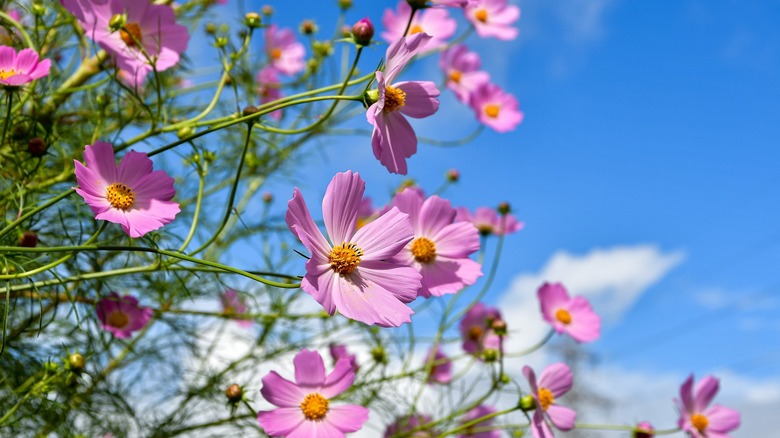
pixel 563 316
pixel 7 74
pixel 415 29
pixel 424 250
pixel 276 53
pixel 120 196
pixel 545 398
pixel 455 76
pixel 481 15
pixel 345 258
pixel 314 407
pixel 700 422
pixel 475 332
pixel 118 319
pixel 394 98
pixel 131 34
pixel 492 110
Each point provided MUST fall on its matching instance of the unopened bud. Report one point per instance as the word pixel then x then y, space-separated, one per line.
pixel 504 208
pixel 371 97
pixel 76 362
pixel 345 4
pixel 379 355
pixel 249 110
pixel 505 379
pixel 499 327
pixel 117 22
pixel 211 28
pixel 252 19
pixel 346 31
pixel 36 147
pixel 308 27
pixel 267 10
pixel 38 9
pixel 234 393
pixel 644 430
pixel 220 42
pixel 184 132
pixel 363 31
pixel 490 355
pixel 268 197
pixel 453 175
pixel 28 239
pixel 527 403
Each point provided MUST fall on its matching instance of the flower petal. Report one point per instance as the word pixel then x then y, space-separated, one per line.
pixel 347 418
pixel 557 378
pixel 133 166
pixel 402 281
pixel 309 368
pixel 704 391
pixel 282 421
pixel 562 417
pixel 421 98
pixel 282 392
pixel 368 302
pixel 340 205
pixel 385 236
pixel 722 420
pixel 99 157
pixel 393 140
pixel 302 226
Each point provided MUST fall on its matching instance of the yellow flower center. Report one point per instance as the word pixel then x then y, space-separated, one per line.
pixel 475 332
pixel 455 76
pixel 7 74
pixel 118 319
pixel 314 407
pixel 563 316
pixel 345 258
pixel 424 250
pixel 492 110
pixel 481 15
pixel 546 398
pixel 415 29
pixel 120 196
pixel 131 34
pixel 394 99
pixel 276 53
pixel 700 422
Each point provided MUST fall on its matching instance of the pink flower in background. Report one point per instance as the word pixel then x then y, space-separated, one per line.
pixel 409 423
pixel 462 69
pixel 354 273
pixel 285 53
pixel 234 304
pixel 304 406
pixel 441 247
pixel 442 367
pixel 149 28
pixel 493 18
pixel 130 194
pixel 488 221
pixel 122 315
pixel 555 381
pixel 339 351
pixel 269 88
pixel 571 315
pixel 476 329
pixel 700 419
pixel 393 139
pixel 495 108
pixel 644 430
pixel 474 430
pixel 436 22
pixel 21 68
pixel 452 3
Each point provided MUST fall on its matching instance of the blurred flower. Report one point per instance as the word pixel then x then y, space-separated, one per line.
pixel 479 412
pixel 234 304
pixel 476 329
pixel 452 3
pixel 304 406
pixel 339 351
pixel 122 315
pixel 441 372
pixel 393 139
pixel 571 315
pixel 493 18
pixel 697 417
pixel 21 68
pixel 435 22
pixel 407 424
pixel 131 194
pixel 354 274
pixel 495 108
pixel 269 88
pixel 488 221
pixel 441 247
pixel 285 53
pixel 150 34
pixel 461 68
pixel 555 381
pixel 644 430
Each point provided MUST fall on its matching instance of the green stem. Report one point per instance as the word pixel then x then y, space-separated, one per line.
pixel 35 210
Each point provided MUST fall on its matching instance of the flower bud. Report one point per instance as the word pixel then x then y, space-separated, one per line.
pixel 184 132
pixel 644 430
pixel 379 355
pixel 499 327
pixel 371 97
pixel 453 175
pixel 117 22
pixel 220 42
pixel 234 393
pixel 249 110
pixel 267 10
pixel 211 28
pixel 268 197
pixel 51 367
pixel 28 239
pixel 252 20
pixel 363 31
pixel 38 9
pixel 76 362
pixel 346 31
pixel 308 27
pixel 345 4
pixel 504 208
pixel 490 355
pixel 527 403
pixel 36 147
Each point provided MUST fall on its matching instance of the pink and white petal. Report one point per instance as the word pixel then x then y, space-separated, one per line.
pixel 393 141
pixel 42 69
pixel 88 181
pixel 403 282
pixel 282 392
pixel 557 378
pixel 552 296
pixel 421 98
pixel 300 222
pixel 385 236
pixel 530 375
pixel 401 51
pixel 309 368
pixel 539 427
pixel 153 185
pixel 436 213
pixel 339 380
pixel 457 240
pixel 315 429
pixel 409 201
pixel 722 420
pixel 133 166
pixel 347 418
pixel 686 394
pixel 26 61
pixel 115 216
pixel 369 303
pixel 7 58
pixel 340 205
pixel 704 392
pixel 447 276
pixel 585 324
pixel 562 417
pixel 99 157
pixel 321 287
pixel 281 422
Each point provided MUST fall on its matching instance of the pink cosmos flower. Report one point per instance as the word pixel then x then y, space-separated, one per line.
pixel 304 406
pixel 462 70
pixel 436 22
pixel 404 425
pixel 339 351
pixel 122 315
pixel 697 417
pixel 476 329
pixel 441 372
pixel 269 88
pixel 21 68
pixel 130 194
pixel 441 247
pixel 353 272
pixel 644 430
pixel 493 18
pixel 285 53
pixel 556 380
pixel 488 221
pixel 571 315
pixel 474 430
pixel 452 3
pixel 393 139
pixel 151 38
pixel 234 304
pixel 495 108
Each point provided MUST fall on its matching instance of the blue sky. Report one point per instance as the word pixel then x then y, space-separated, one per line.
pixel 651 145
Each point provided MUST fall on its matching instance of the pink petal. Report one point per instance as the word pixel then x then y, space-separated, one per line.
pixel 686 394
pixel 421 98
pixel 282 421
pixel 409 201
pixel 448 276
pixel 319 282
pixel 539 427
pixel 557 378
pixel 281 392
pixel 402 281
pixel 7 58
pixel 385 236
pixel 436 213
pixel 133 166
pixel 704 391
pixel 309 368
pixel 530 375
pixel 562 417
pixel 585 324
pixel 552 296
pixel 315 429
pixel 302 226
pixel 367 302
pixel 41 70
pixel 393 141
pixel 722 420
pixel 457 240
pixel 347 418
pixel 400 52
pixel 340 205
pixel 99 157
pixel 339 380
pixel 26 60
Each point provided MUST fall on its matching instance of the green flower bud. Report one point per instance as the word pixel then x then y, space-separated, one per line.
pixel 76 362
pixel 504 208
pixel 527 403
pixel 345 4
pixel 252 20
pixel 211 28
pixel 38 9
pixel 117 22
pixel 379 355
pixel 184 132
pixel 490 355
pixel 371 96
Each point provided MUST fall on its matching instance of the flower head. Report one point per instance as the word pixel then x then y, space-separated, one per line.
pixel 477 331
pixel 353 272
pixel 700 419
pixel 644 430
pixel 481 429
pixel 149 39
pixel 21 68
pixel 409 423
pixel 122 315
pixel 393 139
pixel 304 406
pixel 555 381
pixel 285 53
pixel 441 247
pixel 363 31
pixel 495 108
pixel 130 194
pixel 234 304
pixel 488 221
pixel 441 371
pixel 462 69
pixel 493 18
pixel 573 316
pixel 436 22
pixel 339 351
